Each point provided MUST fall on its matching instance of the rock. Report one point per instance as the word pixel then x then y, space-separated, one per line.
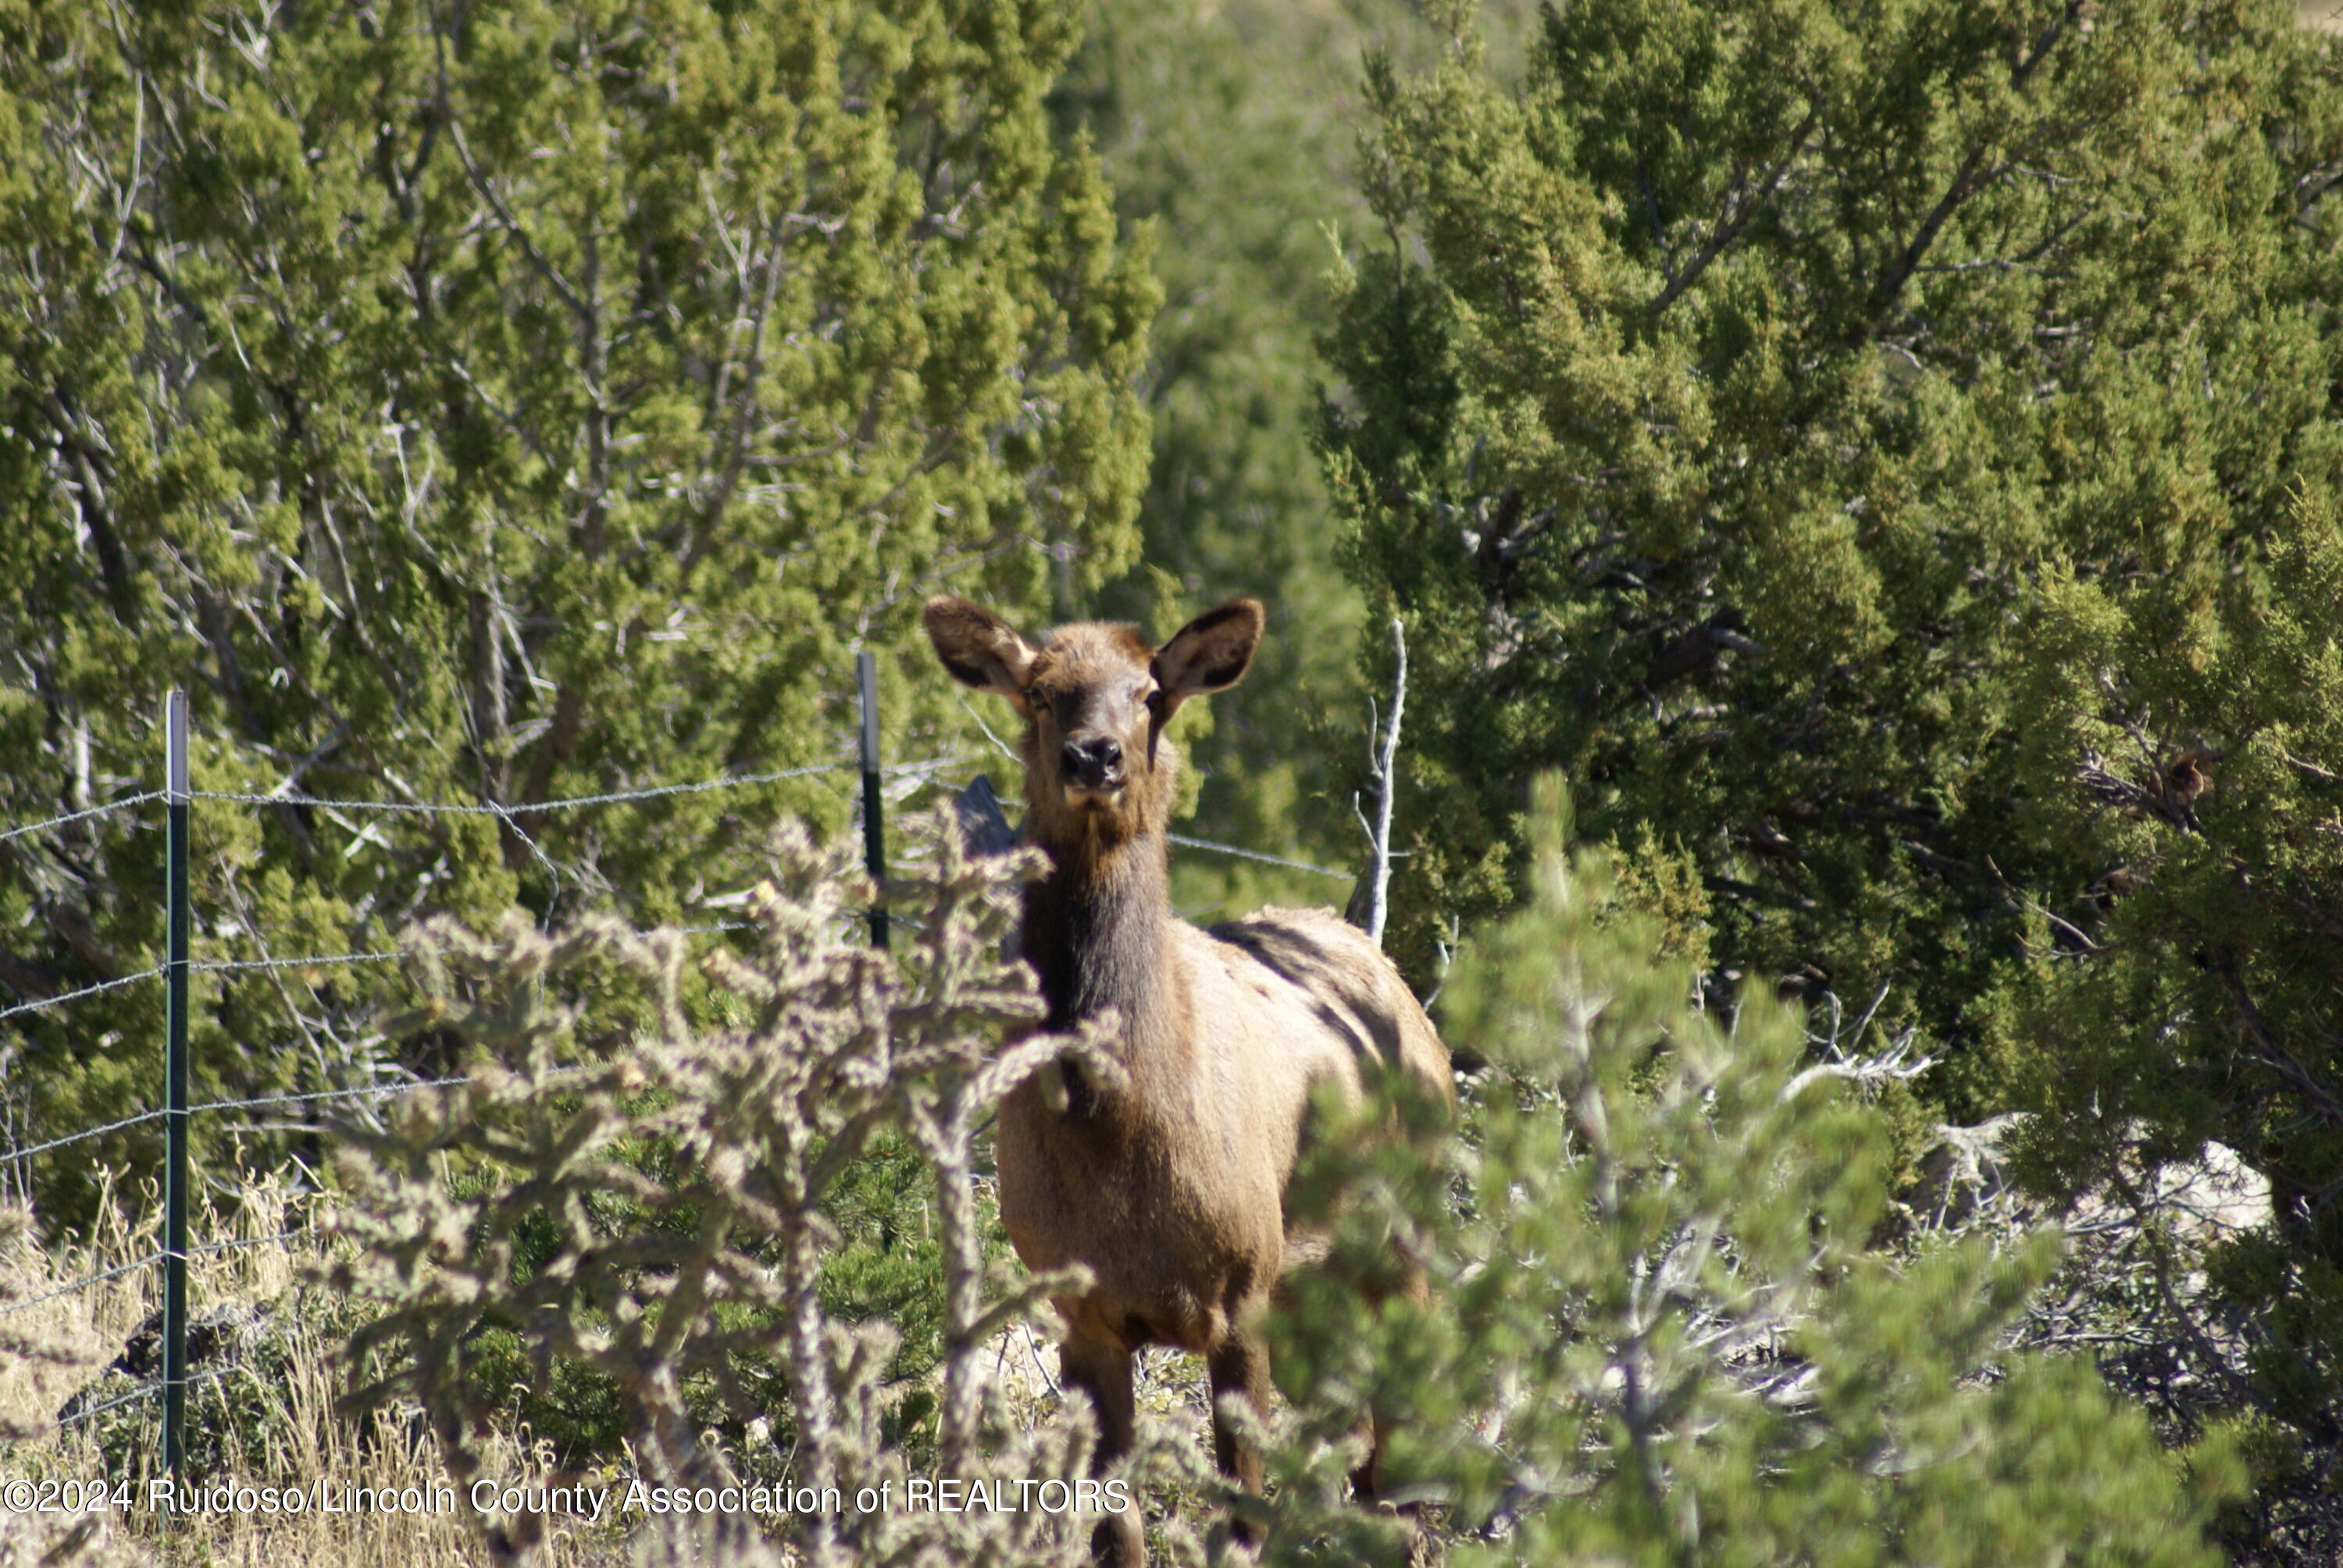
pixel 2200 1202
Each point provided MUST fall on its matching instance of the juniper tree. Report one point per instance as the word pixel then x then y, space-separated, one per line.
pixel 489 403
pixel 1887 457
pixel 1226 126
pixel 1232 129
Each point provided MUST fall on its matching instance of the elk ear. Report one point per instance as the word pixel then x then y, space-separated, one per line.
pixel 1209 653
pixel 978 647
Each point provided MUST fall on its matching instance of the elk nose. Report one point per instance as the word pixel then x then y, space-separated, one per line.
pixel 1097 763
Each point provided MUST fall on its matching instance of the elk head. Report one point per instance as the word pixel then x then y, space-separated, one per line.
pixel 1095 698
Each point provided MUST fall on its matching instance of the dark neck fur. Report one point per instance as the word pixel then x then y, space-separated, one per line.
pixel 1098 933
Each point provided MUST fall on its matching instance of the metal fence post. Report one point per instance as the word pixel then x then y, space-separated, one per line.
pixel 176 804
pixel 874 824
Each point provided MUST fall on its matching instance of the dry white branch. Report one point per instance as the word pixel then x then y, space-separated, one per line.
pixel 1382 761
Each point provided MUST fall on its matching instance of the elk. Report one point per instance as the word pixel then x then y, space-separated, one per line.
pixel 1168 1186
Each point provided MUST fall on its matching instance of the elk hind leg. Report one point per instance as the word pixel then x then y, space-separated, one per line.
pixel 1238 1364
pixel 1103 1373
pixel 1367 1481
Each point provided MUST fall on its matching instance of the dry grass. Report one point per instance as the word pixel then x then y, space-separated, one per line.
pixel 266 1414
pixel 290 1431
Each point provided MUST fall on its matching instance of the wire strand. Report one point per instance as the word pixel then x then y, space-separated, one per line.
pixel 612 798
pixel 124 804
pixel 1182 840
pixel 149 1390
pixel 230 1246
pixel 238 966
pixel 259 1102
pixel 314 1096
pixel 234 966
pixel 443 809
pixel 43 1004
pixel 72 1138
pixel 133 1397
pixel 209 1249
pixel 78 1285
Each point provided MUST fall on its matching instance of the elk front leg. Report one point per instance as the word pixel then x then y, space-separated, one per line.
pixel 1239 1365
pixel 1103 1373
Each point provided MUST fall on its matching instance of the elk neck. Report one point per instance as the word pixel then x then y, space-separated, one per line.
pixel 1098 933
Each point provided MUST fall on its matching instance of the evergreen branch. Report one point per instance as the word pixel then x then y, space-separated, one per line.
pixel 2274 1054
pixel 1740 207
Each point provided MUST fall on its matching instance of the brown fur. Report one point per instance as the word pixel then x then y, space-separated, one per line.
pixel 1170 1188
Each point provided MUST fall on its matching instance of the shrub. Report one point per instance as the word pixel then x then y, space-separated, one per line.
pixel 1659 1332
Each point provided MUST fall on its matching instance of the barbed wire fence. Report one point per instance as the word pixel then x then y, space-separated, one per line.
pixel 177 1112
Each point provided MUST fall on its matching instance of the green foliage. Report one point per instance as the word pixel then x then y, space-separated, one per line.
pixel 1224 126
pixel 2197 997
pixel 1890 456
pixel 1730 404
pixel 497 403
pixel 1657 1333
pixel 1232 128
pixel 888 1267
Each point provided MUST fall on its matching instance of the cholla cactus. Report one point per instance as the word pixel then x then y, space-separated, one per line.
pixel 679 1147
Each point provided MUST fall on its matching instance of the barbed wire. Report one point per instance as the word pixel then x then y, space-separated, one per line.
pixel 1182 840
pixel 11 1156
pixel 133 1397
pixel 431 808
pixel 386 955
pixel 97 1279
pixel 234 966
pixel 256 1102
pixel 241 1242
pixel 312 1097
pixel 83 814
pixel 316 1096
pixel 609 798
pixel 149 1391
pixel 41 1004
pixel 72 1138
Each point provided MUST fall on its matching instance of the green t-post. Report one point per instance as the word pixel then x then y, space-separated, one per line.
pixel 176 802
pixel 874 820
